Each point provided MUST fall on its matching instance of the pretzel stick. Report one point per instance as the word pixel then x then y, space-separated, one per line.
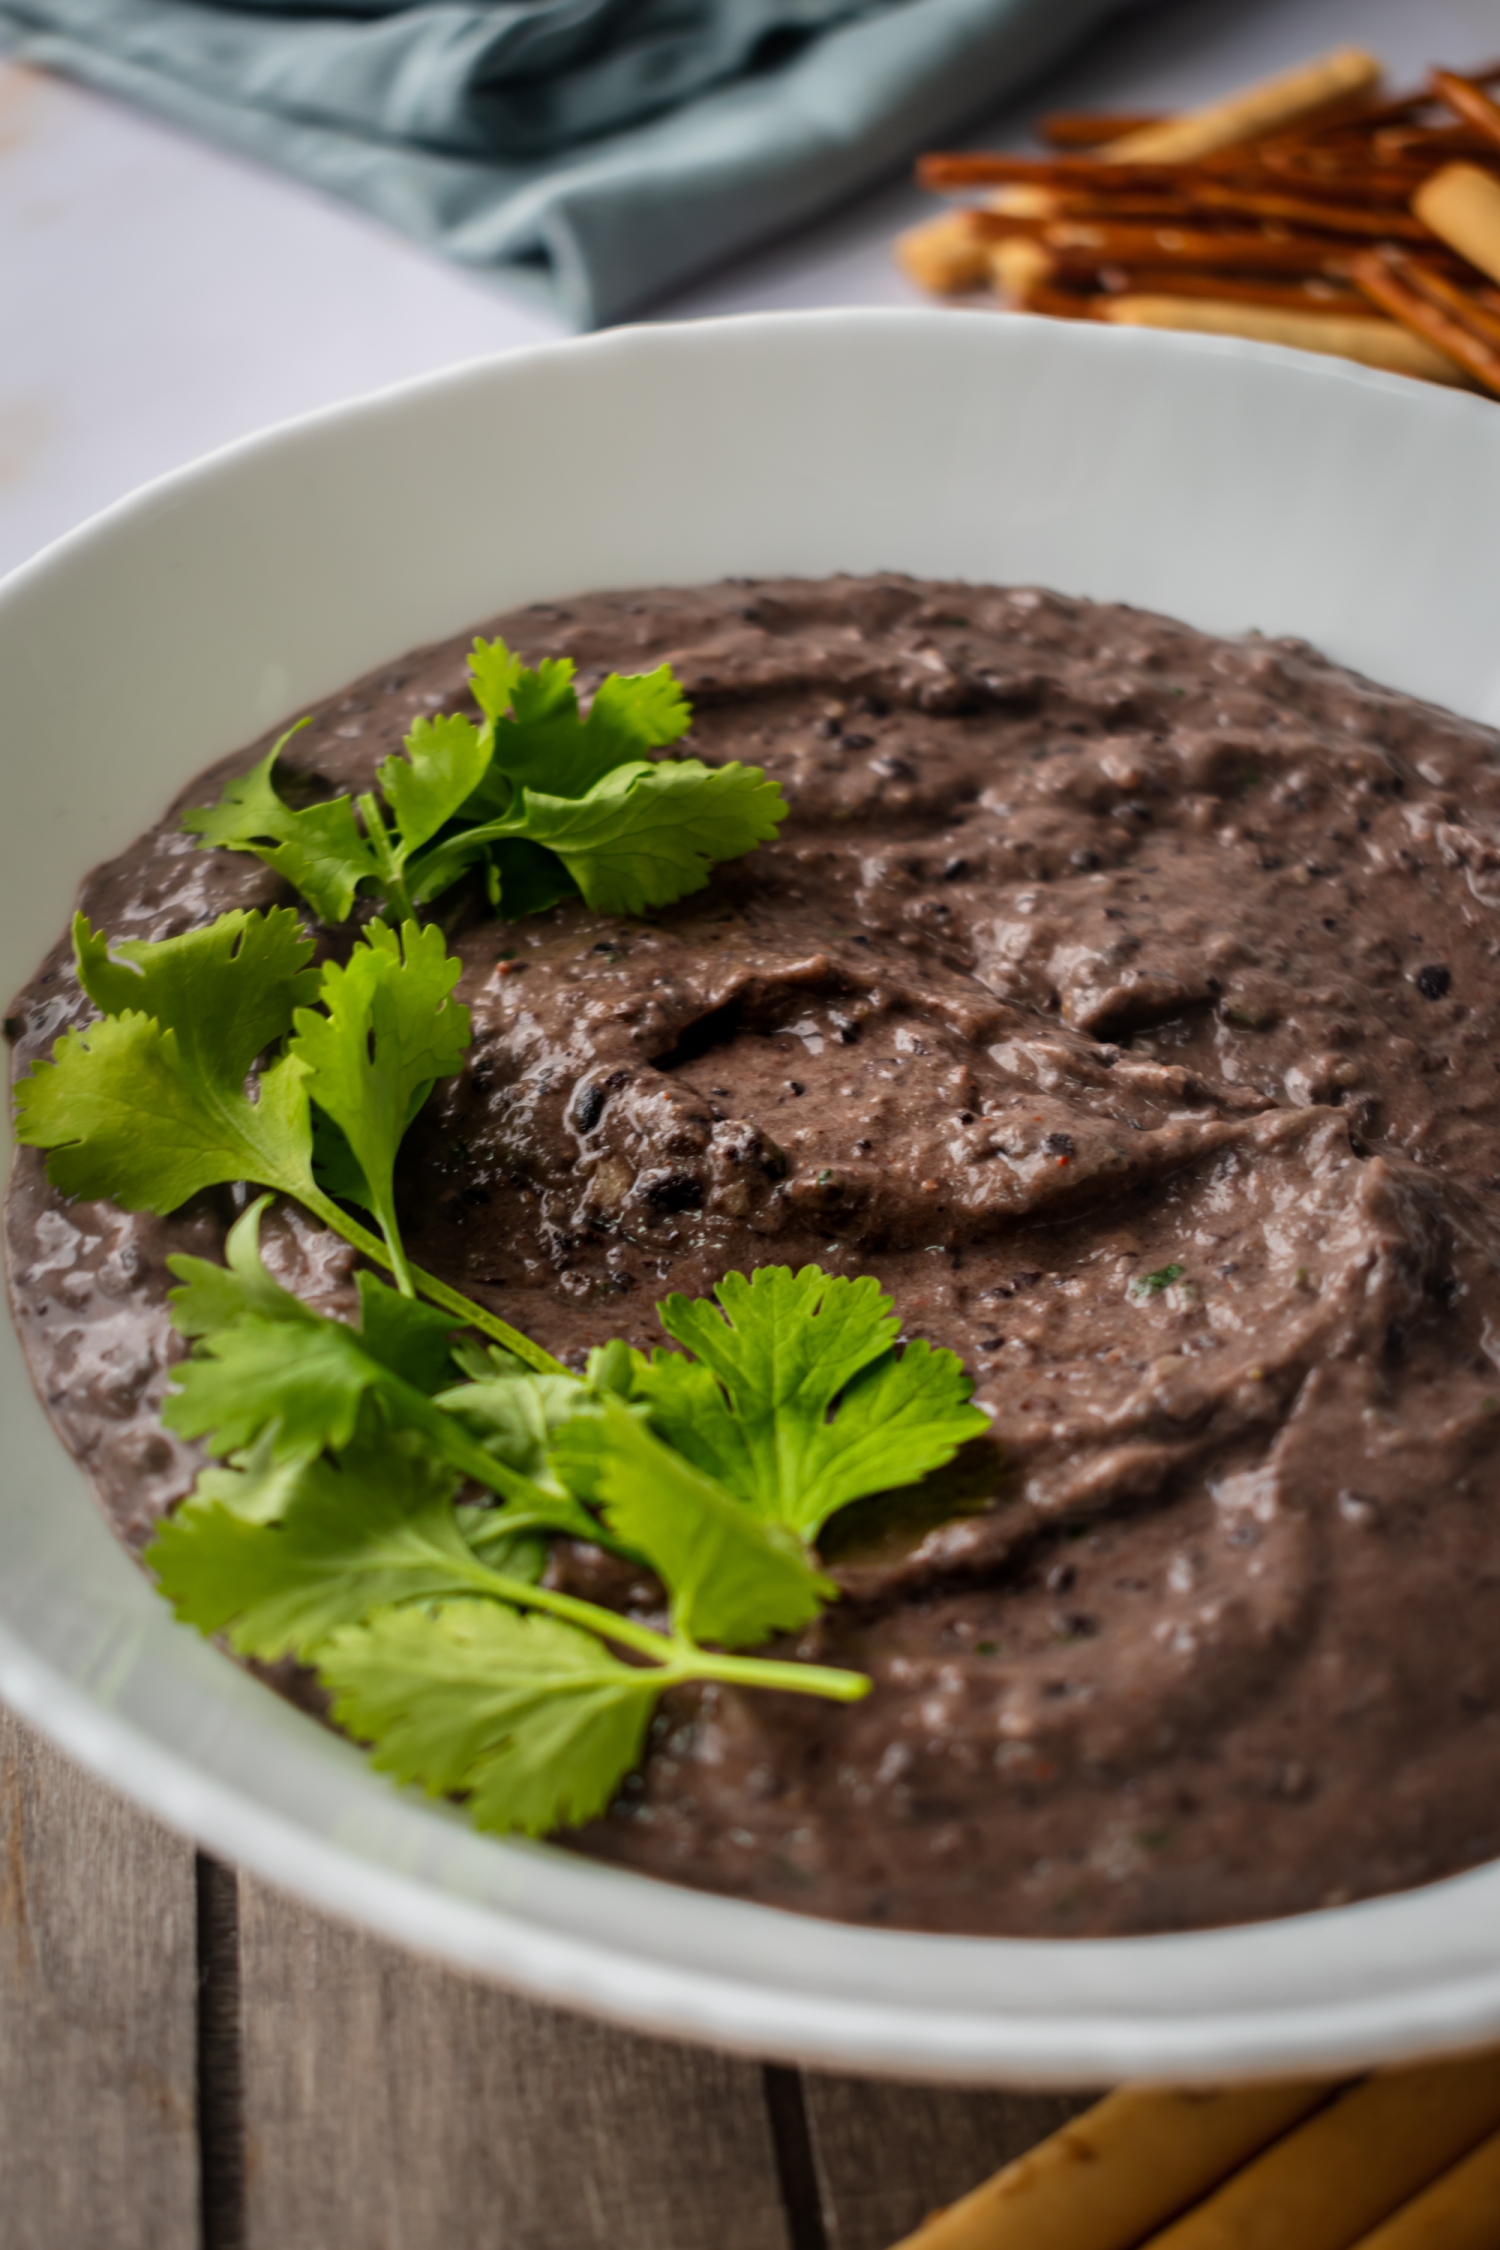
pixel 1122 2168
pixel 1083 129
pixel 1428 141
pixel 1307 211
pixel 1394 288
pixel 1253 110
pixel 1353 2164
pixel 1158 206
pixel 946 172
pixel 944 255
pixel 1472 104
pixel 954 172
pixel 1461 204
pixel 1476 307
pixel 1374 343
pixel 1458 2212
pixel 1380 183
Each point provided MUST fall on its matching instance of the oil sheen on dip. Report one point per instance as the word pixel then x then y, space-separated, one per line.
pixel 1124 999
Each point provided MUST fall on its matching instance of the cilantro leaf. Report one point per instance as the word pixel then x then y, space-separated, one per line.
pixel 377 1526
pixel 646 834
pixel 554 803
pixel 516 1414
pixel 252 1485
pixel 536 1722
pixel 638 711
pixel 545 744
pixel 228 990
pixel 526 878
pixel 411 1340
pixel 732 1576
pixel 495 674
pixel 799 1404
pixel 446 759
pixel 268 1372
pixel 127 1117
pixel 219 1296
pixel 390 1031
pixel 318 850
pixel 149 1106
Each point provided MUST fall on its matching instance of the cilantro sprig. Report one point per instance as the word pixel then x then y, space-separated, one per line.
pixel 335 1520
pixel 219 1052
pixel 796 1400
pixel 336 1533
pixel 550 803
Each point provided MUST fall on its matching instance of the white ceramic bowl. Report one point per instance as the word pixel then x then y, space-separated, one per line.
pixel 1227 484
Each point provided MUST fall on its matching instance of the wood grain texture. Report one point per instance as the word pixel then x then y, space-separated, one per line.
pixel 391 2105
pixel 98 2012
pixel 886 2155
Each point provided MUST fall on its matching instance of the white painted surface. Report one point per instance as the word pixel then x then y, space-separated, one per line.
pixel 1227 483
pixel 159 298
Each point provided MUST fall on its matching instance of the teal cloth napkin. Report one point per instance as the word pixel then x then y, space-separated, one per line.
pixel 606 150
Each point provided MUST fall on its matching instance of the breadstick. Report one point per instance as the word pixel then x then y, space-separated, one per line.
pixel 1352 2165
pixel 1470 102
pixel 1018 268
pixel 1291 295
pixel 943 255
pixel 1461 204
pixel 1122 2168
pixel 1461 330
pixel 1024 201
pixel 1374 343
pixel 1080 243
pixel 1461 2211
pixel 1252 111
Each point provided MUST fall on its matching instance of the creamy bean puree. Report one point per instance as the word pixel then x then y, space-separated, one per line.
pixel 1125 1000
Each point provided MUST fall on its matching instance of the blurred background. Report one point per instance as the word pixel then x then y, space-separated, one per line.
pixel 212 218
pixel 215 217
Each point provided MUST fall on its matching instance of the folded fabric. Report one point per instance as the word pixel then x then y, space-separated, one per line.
pixel 606 150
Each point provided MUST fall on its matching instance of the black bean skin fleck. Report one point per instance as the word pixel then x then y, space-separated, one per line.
pixel 589 1107
pixel 1433 980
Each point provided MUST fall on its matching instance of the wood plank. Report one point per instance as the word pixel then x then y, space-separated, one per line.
pixel 888 2154
pixel 391 2105
pixel 98 2000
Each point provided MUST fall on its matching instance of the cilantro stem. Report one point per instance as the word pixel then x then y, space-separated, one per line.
pixel 765 1672
pixel 435 1291
pixel 398 907
pixel 676 1657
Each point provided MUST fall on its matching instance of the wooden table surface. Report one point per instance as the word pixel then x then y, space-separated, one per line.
pixel 188 2058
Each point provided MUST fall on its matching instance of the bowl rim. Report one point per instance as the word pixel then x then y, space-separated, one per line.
pixel 736 1997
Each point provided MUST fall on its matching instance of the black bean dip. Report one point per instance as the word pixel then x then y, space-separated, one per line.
pixel 1124 999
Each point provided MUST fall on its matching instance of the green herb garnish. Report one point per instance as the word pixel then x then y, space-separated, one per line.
pixel 333 1534
pixel 796 1399
pixel 1152 1284
pixel 332 1523
pixel 159 1100
pixel 551 804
